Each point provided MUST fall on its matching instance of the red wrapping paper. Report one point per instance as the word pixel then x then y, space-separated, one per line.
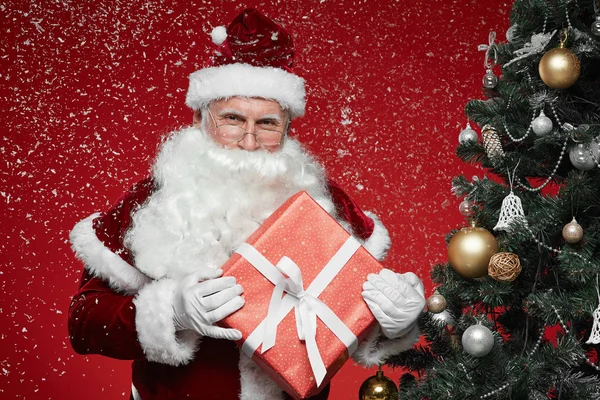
pixel 301 230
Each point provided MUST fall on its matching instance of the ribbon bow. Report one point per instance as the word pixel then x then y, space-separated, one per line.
pixel 306 317
pixel 488 62
pixel 287 278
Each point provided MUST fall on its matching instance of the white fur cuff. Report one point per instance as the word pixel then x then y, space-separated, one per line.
pixel 231 80
pixel 101 261
pixel 155 327
pixel 379 242
pixel 376 347
pixel 255 382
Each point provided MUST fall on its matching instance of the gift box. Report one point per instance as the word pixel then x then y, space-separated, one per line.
pixel 304 314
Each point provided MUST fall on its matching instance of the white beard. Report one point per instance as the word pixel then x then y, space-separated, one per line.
pixel 210 199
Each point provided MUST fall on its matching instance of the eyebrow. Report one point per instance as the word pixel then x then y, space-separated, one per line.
pixel 226 111
pixel 276 117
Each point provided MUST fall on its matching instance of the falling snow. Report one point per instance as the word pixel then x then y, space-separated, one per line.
pixel 89 88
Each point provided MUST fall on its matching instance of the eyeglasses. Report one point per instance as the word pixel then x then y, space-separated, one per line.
pixel 266 135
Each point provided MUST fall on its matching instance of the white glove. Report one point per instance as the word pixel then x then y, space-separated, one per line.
pixel 202 298
pixel 396 300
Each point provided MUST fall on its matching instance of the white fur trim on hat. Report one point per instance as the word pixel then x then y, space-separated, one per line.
pixel 379 242
pixel 156 329
pixel 376 348
pixel 101 261
pixel 231 80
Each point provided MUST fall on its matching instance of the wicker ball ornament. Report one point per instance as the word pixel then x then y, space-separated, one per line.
pixel 504 267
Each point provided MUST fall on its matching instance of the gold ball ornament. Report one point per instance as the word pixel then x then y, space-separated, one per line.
pixel 470 250
pixel 572 232
pixel 559 68
pixel 504 267
pixel 436 303
pixel 378 387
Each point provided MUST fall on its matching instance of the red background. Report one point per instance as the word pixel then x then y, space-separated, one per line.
pixel 88 88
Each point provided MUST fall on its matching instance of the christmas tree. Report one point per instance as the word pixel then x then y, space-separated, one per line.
pixel 515 314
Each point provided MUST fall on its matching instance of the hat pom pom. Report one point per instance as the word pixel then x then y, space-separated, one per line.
pixel 218 35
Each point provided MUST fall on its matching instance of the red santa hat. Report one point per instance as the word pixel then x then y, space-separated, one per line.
pixel 254 59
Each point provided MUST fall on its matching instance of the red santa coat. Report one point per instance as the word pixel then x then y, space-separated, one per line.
pixel 122 313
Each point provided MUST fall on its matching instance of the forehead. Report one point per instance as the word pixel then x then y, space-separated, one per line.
pixel 248 105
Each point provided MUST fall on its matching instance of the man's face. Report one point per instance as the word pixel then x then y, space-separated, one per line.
pixel 246 123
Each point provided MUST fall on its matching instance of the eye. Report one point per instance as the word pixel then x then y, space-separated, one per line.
pixel 267 122
pixel 231 118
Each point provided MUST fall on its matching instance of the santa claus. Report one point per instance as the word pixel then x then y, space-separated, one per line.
pixel 152 289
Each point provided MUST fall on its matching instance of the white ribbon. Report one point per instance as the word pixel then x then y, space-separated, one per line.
pixel 305 303
pixel 488 62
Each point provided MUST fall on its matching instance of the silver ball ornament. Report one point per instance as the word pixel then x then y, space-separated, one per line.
pixel 542 125
pixel 489 79
pixel 511 33
pixel 595 150
pixel 466 208
pixel 581 158
pixel 596 26
pixel 477 340
pixel 443 317
pixel 467 135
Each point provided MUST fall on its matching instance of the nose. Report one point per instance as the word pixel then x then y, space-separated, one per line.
pixel 249 142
